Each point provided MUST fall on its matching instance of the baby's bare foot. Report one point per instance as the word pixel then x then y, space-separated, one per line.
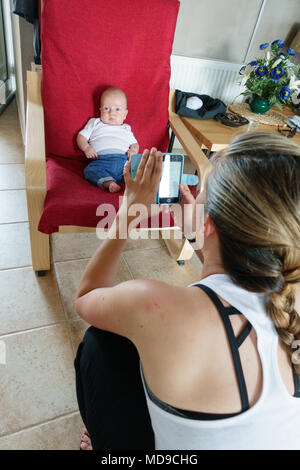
pixel 85 441
pixel 114 187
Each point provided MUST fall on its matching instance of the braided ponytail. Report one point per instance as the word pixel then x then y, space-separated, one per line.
pixel 281 309
pixel 253 197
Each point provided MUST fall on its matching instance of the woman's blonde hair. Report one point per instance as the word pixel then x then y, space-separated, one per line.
pixel 253 197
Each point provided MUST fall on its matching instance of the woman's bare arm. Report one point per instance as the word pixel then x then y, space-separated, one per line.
pixel 116 308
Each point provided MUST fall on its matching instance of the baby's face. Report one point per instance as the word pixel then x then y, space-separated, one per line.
pixel 113 109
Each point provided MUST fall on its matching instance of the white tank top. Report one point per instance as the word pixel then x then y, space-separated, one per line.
pixel 272 423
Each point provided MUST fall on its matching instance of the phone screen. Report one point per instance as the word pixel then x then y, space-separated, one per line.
pixel 170 179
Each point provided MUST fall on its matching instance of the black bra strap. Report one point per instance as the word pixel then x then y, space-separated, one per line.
pixel 243 335
pixel 232 310
pixel 233 344
pixel 296 383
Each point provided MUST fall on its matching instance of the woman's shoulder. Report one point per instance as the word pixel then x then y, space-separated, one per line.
pixel 171 315
pixel 166 303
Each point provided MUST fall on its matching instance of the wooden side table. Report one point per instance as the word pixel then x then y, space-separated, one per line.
pixel 213 136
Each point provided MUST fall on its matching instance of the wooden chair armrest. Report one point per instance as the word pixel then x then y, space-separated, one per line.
pixel 187 140
pixel 35 161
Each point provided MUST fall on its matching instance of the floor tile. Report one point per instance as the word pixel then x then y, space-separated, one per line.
pixel 10 114
pixel 13 206
pixel 158 264
pixel 14 246
pixel 72 246
pixel 68 275
pixel 12 149
pixel 28 301
pixel 77 330
pixel 12 176
pixel 196 263
pixel 37 382
pixel 189 168
pixel 144 244
pixel 60 434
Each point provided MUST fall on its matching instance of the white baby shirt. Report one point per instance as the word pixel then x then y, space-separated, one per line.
pixel 106 136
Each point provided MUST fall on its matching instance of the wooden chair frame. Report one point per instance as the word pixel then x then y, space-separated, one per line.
pixel 35 172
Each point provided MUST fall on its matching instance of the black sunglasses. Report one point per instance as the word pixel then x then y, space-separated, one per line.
pixel 287 132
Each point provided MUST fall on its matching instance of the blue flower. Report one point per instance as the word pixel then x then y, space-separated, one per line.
pixel 284 93
pixel 263 46
pixel 252 63
pixel 290 51
pixel 278 42
pixel 261 71
pixel 277 73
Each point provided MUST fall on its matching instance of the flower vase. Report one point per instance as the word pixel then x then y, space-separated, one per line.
pixel 259 105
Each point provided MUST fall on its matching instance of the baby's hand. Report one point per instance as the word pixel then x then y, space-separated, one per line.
pixel 133 149
pixel 90 152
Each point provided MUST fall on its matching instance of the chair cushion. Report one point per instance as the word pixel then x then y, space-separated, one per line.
pixel 71 200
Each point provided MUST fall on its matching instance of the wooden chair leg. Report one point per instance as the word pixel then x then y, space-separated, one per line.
pixel 179 249
pixel 40 243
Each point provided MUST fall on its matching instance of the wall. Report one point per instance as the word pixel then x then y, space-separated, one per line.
pixel 215 29
pixel 280 20
pixel 26 32
pixel 23 52
pixel 18 71
pixel 10 82
pixel 221 29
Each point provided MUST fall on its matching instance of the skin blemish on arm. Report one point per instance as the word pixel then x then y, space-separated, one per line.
pixel 149 306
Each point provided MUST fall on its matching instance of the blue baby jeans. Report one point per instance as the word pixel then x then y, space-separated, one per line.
pixel 105 168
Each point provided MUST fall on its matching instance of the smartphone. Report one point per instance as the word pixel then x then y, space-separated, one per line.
pixel 168 190
pixel 172 167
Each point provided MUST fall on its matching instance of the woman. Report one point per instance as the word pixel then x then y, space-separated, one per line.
pixel 219 359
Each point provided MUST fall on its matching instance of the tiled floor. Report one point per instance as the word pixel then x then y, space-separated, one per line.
pixel 39 327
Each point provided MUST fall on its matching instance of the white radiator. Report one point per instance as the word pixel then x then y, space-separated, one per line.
pixel 215 78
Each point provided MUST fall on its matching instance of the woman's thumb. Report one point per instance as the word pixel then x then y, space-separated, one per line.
pixel 126 172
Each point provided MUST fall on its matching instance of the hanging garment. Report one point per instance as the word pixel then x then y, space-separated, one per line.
pixel 29 10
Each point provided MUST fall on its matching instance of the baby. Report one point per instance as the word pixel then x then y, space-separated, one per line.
pixel 108 141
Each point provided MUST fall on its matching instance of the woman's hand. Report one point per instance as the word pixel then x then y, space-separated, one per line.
pixel 143 188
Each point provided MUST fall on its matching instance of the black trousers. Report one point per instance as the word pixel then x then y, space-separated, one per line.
pixel 110 392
